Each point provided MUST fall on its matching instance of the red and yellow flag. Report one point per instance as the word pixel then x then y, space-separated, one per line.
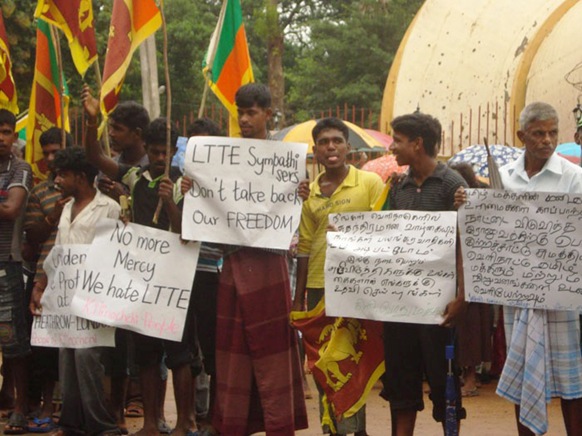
pixel 227 65
pixel 8 98
pixel 346 357
pixel 132 21
pixel 75 19
pixel 45 98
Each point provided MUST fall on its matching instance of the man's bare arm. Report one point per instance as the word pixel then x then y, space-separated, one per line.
pixel 95 153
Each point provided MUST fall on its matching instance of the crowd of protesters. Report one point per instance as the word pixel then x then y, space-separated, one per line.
pixel 237 333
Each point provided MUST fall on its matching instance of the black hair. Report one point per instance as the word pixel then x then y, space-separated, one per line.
pixel 54 135
pixel 466 171
pixel 131 114
pixel 155 133
pixel 203 126
pixel 330 123
pixel 75 159
pixel 7 117
pixel 253 93
pixel 419 125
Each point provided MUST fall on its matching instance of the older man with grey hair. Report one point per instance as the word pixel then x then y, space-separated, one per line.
pixel 544 358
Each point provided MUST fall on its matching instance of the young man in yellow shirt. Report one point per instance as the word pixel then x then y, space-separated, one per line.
pixel 340 188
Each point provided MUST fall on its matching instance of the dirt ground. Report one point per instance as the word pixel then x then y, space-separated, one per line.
pixel 487 415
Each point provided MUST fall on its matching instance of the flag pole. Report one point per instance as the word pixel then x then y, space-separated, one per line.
pixel 57 43
pixel 204 95
pixel 105 135
pixel 168 108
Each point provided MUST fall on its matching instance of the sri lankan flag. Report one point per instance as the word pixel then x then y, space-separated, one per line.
pixel 75 19
pixel 45 98
pixel 8 99
pixel 132 21
pixel 346 357
pixel 227 65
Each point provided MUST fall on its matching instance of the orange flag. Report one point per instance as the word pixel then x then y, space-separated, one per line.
pixel 8 99
pixel 345 355
pixel 132 21
pixel 75 19
pixel 227 64
pixel 45 98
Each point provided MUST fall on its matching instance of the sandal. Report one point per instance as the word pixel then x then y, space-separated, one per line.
pixel 41 425
pixel 470 393
pixel 17 424
pixel 163 427
pixel 134 410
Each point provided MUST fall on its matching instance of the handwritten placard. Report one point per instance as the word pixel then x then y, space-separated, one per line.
pixel 56 326
pixel 138 278
pixel 244 191
pixel 391 266
pixel 522 249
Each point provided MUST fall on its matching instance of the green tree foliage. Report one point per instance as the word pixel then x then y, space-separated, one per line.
pixel 335 52
pixel 190 26
pixel 348 58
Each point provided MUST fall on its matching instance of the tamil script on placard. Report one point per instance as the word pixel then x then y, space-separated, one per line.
pixel 391 266
pixel 244 191
pixel 522 249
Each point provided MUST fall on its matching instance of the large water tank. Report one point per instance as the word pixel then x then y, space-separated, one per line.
pixel 475 64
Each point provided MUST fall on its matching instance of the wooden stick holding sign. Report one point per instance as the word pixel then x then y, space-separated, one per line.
pixel 105 135
pixel 168 109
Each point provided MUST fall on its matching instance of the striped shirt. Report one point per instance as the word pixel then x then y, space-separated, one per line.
pixel 41 202
pixel 14 173
pixel 436 194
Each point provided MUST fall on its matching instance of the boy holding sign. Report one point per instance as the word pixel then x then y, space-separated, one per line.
pixel 148 185
pixel 81 371
pixel 257 361
pixel 340 188
pixel 411 348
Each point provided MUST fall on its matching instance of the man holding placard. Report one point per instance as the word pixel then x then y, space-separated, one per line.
pixel 412 348
pixel 256 349
pixel 148 185
pixel 341 188
pixel 544 356
pixel 81 371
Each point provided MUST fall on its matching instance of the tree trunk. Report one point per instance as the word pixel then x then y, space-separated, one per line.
pixel 275 48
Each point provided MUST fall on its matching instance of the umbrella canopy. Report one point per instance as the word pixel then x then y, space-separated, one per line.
pixel 570 151
pixel 385 140
pixel 476 155
pixel 384 166
pixel 301 132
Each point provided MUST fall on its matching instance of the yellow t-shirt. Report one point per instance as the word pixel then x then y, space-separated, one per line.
pixel 357 193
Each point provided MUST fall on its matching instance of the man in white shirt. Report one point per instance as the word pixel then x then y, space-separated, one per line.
pixel 540 169
pixel 81 372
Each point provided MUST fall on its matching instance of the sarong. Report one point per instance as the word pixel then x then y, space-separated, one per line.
pixel 258 373
pixel 543 361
